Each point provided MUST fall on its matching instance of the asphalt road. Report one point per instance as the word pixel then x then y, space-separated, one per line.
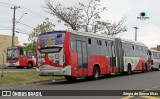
pixel 137 81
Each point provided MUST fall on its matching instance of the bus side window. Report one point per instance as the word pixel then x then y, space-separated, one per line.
pixel 89 41
pixel 30 54
pixel 73 43
pixel 21 51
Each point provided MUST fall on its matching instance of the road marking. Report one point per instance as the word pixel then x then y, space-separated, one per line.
pixel 128 97
pixel 149 97
pixel 155 87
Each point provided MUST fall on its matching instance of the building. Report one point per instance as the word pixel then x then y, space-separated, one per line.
pixel 156 48
pixel 6 41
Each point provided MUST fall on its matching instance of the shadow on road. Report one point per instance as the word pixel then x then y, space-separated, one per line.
pixel 81 80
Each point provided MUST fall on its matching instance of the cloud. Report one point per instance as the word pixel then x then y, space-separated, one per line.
pixel 149 34
pixel 148 31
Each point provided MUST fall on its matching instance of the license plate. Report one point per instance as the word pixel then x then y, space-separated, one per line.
pixel 12 64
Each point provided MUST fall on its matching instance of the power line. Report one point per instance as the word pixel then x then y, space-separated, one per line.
pixel 32 15
pixel 20 18
pixel 35 13
pixel 2 26
pixel 23 8
pixel 5 18
pixel 5 21
pixel 5 29
pixel 25 25
pixel 30 12
pixel 4 5
pixel 22 32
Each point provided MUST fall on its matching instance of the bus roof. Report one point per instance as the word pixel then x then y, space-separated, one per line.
pixel 153 50
pixel 97 35
pixel 16 46
pixel 103 36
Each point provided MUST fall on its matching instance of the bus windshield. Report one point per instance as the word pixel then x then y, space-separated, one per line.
pixel 12 53
pixel 51 42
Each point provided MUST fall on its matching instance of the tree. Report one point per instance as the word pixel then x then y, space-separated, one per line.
pixel 85 17
pixel 30 46
pixel 111 29
pixel 46 26
pixel 82 17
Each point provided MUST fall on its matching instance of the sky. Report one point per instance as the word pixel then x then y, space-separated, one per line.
pixel 148 32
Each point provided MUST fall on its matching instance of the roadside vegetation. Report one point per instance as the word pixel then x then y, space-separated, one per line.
pixel 18 78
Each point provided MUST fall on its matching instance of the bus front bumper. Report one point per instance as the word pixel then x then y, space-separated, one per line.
pixel 66 71
pixel 12 64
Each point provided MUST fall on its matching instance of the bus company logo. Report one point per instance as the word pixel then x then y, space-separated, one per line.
pixel 143 16
pixel 6 93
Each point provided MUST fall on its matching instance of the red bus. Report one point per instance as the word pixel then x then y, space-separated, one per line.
pixel 19 58
pixel 80 54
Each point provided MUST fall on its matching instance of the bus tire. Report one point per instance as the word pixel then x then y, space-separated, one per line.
pixel 96 72
pixel 129 69
pixel 158 69
pixel 146 67
pixel 30 65
pixel 152 68
pixel 89 78
pixel 143 68
pixel 18 67
pixel 70 78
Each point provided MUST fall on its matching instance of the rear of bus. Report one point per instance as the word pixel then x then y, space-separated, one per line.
pixel 51 47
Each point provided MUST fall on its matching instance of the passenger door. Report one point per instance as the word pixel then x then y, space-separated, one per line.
pixel 112 56
pixel 82 58
pixel 120 55
pixel 23 58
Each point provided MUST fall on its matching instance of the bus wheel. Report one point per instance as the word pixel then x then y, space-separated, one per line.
pixel 18 67
pixel 146 68
pixel 70 78
pixel 152 69
pixel 159 68
pixel 30 65
pixel 129 70
pixel 143 68
pixel 96 72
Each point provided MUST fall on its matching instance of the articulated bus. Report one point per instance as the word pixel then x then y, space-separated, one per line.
pixel 80 54
pixel 155 60
pixel 19 58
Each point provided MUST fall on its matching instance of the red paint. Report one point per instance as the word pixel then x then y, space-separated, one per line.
pixel 141 63
pixel 71 59
pixel 23 61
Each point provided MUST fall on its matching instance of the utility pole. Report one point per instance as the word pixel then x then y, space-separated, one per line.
pixel 13 28
pixel 135 32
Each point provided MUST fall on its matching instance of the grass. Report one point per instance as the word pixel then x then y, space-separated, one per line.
pixel 15 78
pixel 1 66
